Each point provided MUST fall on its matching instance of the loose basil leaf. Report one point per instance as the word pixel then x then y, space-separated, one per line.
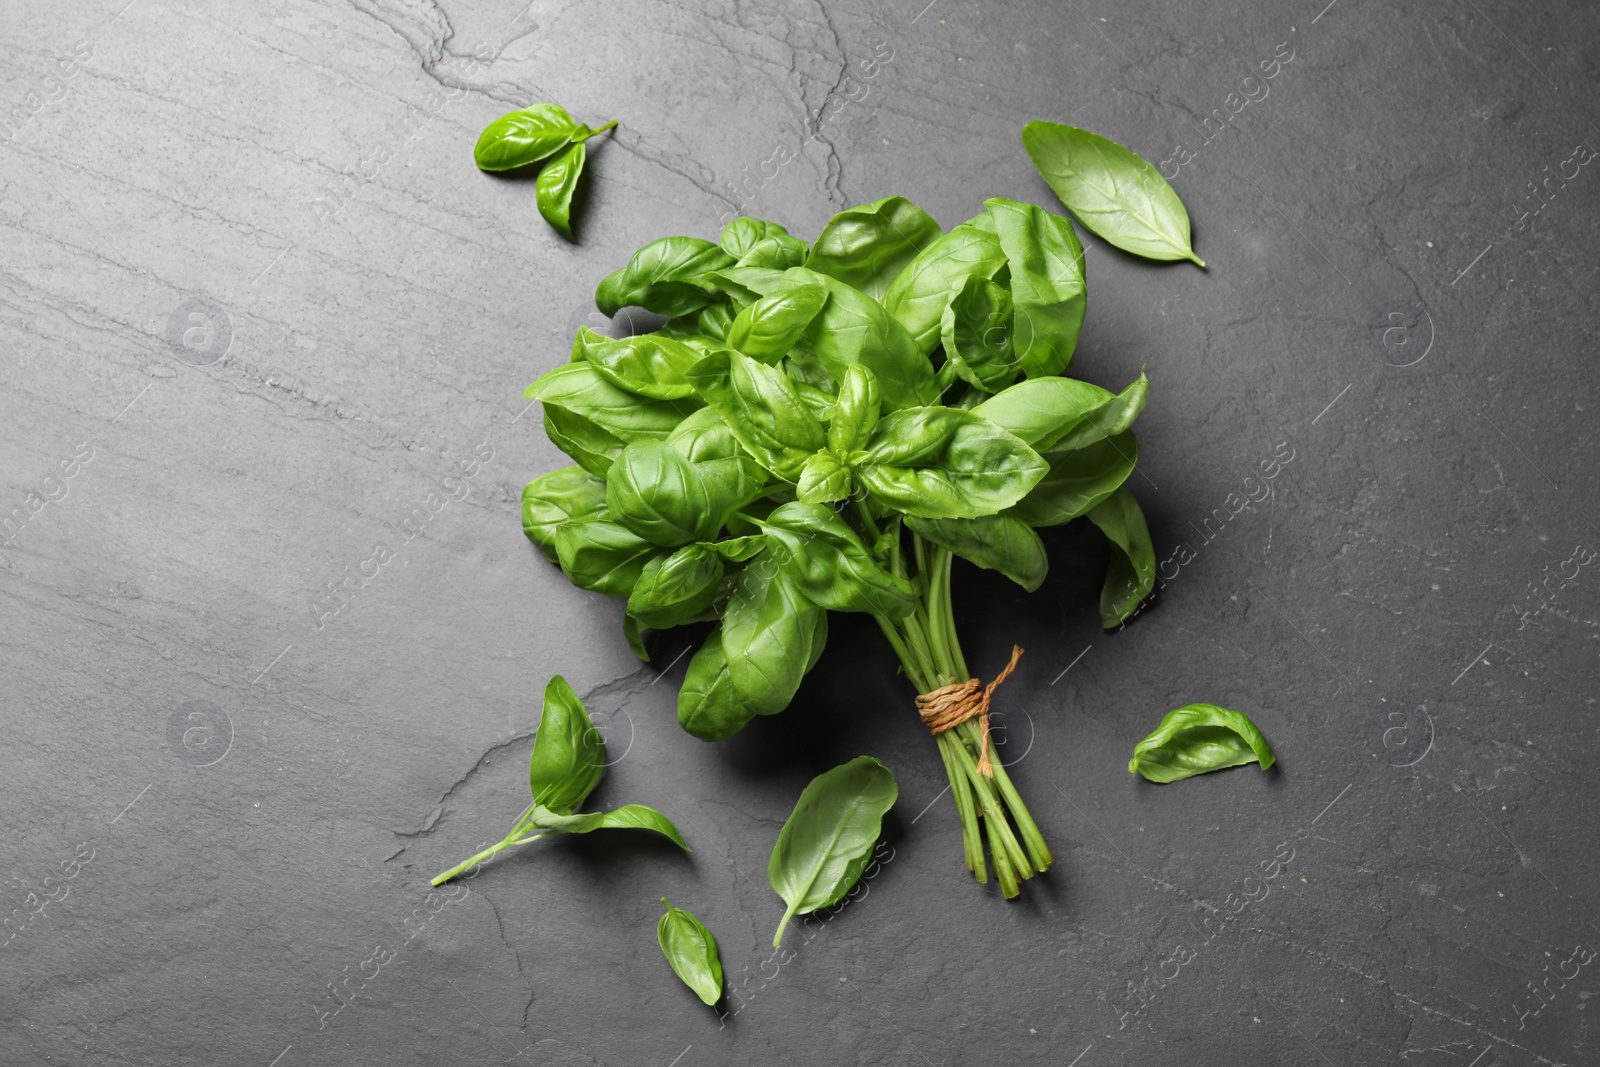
pixel 570 494
pixel 1047 284
pixel 1001 543
pixel 674 589
pixel 946 463
pixel 918 297
pixel 769 328
pixel 635 639
pixel 823 479
pixel 1107 420
pixel 691 951
pixel 1043 410
pixel 829 837
pixel 1078 480
pixel 744 233
pixel 555 185
pixel 868 246
pixel 522 137
pixel 777 253
pixel 827 561
pixel 768 631
pixel 977 335
pixel 626 817
pixel 855 413
pixel 1131 573
pixel 647 364
pixel 656 493
pixel 1196 739
pixel 1115 193
pixel 664 276
pixel 762 409
pixel 568 753
pixel 579 388
pixel 602 556
pixel 708 706
pixel 739 549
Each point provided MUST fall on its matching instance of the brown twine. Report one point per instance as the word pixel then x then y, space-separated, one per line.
pixel 949 706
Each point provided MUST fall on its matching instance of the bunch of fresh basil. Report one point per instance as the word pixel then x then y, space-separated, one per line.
pixel 822 427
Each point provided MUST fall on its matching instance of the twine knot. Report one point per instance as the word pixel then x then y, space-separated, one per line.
pixel 949 706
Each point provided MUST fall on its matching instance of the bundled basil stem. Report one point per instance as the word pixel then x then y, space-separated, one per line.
pixel 826 427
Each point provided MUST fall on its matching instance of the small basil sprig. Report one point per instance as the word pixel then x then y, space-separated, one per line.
pixel 520 138
pixel 825 845
pixel 691 950
pixel 568 759
pixel 1196 739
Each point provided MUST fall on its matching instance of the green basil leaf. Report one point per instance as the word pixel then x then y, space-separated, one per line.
pixel 854 328
pixel 706 328
pixel 555 185
pixel 826 559
pixel 1001 543
pixel 659 495
pixel 745 285
pixel 625 817
pixel 829 837
pixel 823 479
pixel 1078 480
pixel 918 297
pixel 631 634
pixel 647 364
pixel 779 252
pixel 1043 410
pixel 946 463
pixel 1115 193
pixel 855 412
pixel 762 409
pixel 580 389
pixel 1107 420
pixel 708 706
pixel 570 494
pixel 568 753
pixel 592 447
pixel 675 589
pixel 744 233
pixel 602 556
pixel 767 634
pixel 977 335
pixel 664 276
pixel 1196 739
pixel 731 475
pixel 522 137
pixel 739 549
pixel 1131 573
pixel 691 952
pixel 868 246
pixel 768 329
pixel 1047 284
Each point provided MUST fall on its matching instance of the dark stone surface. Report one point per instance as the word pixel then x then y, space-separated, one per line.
pixel 260 799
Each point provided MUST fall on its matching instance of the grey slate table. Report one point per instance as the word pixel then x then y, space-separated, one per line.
pixel 260 313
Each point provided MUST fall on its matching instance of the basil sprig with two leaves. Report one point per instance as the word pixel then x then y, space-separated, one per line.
pixel 541 133
pixel 1196 739
pixel 827 427
pixel 691 951
pixel 568 759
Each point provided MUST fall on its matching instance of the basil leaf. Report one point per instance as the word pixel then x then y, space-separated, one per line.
pixel 708 706
pixel 691 951
pixel 918 297
pixel 591 446
pixel 1001 543
pixel 656 493
pixel 522 137
pixel 731 475
pixel 829 837
pixel 744 233
pixel 570 494
pixel 568 753
pixel 855 412
pixel 602 556
pixel 707 327
pixel 647 364
pixel 762 409
pixel 823 479
pixel 555 185
pixel 1078 480
pixel 977 335
pixel 1047 284
pixel 825 558
pixel 1108 419
pixel 745 285
pixel 1196 739
pixel 854 328
pixel 777 253
pixel 1131 573
pixel 768 632
pixel 675 589
pixel 579 388
pixel 739 549
pixel 868 246
pixel 635 639
pixel 1115 193
pixel 625 817
pixel 1043 410
pixel 946 463
pixel 664 276
pixel 768 329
